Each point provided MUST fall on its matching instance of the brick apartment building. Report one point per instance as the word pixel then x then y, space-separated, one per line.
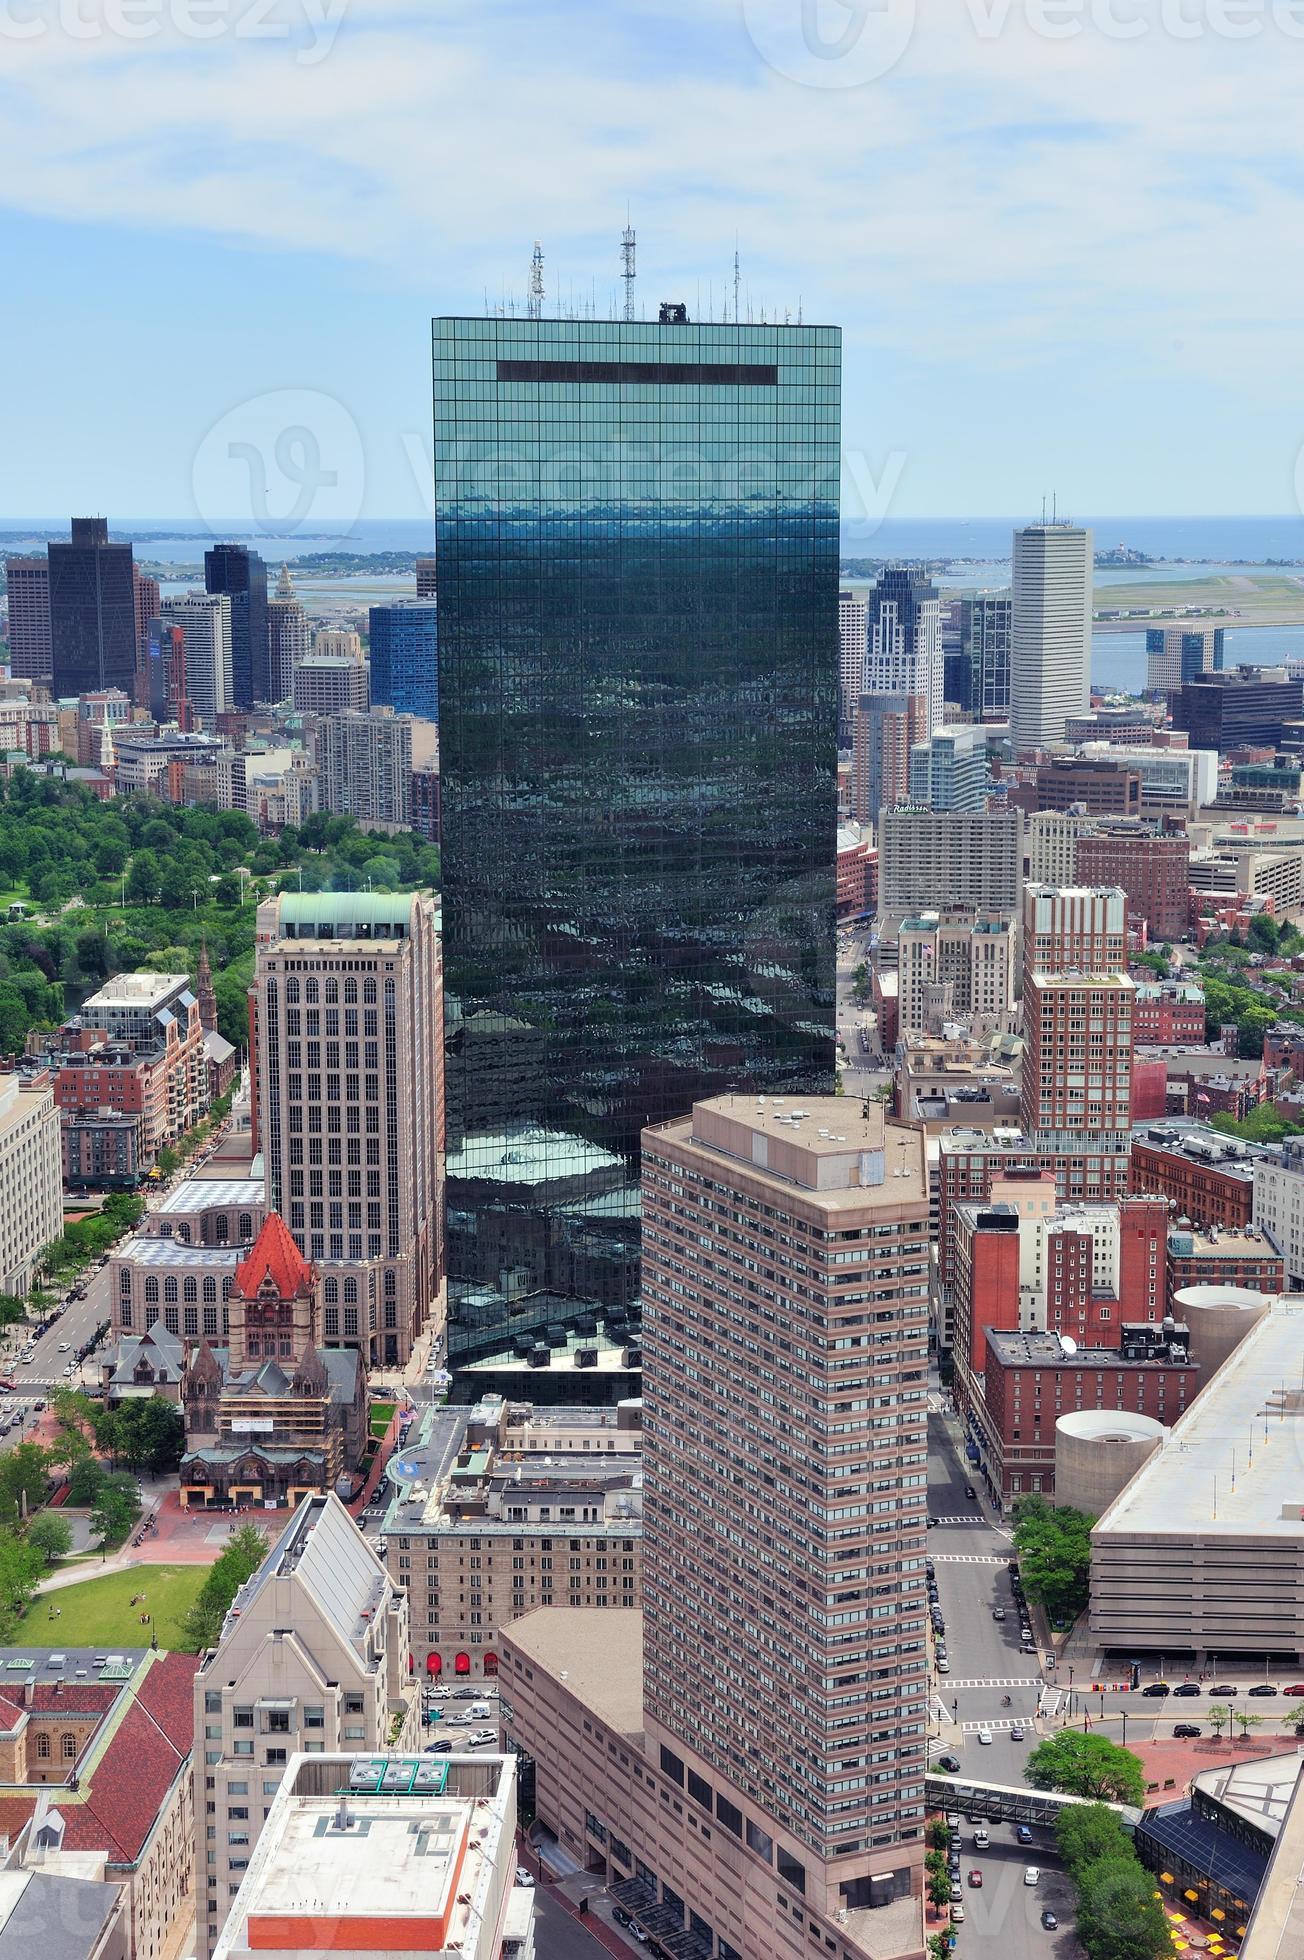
pixel 1168 1014
pixel 1220 1258
pixel 1209 1177
pixel 1151 865
pixel 1030 1381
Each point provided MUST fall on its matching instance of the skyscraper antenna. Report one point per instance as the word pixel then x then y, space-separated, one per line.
pixel 627 266
pixel 535 308
pixel 737 281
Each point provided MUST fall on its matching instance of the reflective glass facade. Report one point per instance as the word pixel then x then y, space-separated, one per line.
pixel 637 532
pixel 404 650
pixel 242 575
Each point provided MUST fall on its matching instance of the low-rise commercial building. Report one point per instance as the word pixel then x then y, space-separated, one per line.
pixel 1208 1176
pixel 1241 1257
pixel 1031 1380
pixel 135 1049
pixel 1167 1013
pixel 313 1657
pixel 1203 1553
pixel 502 1507
pixel 387 1854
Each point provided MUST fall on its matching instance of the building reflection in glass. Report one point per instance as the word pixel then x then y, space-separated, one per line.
pixel 637 562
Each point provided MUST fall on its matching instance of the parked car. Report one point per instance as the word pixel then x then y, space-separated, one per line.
pixel 944 1666
pixel 1262 1690
pixel 1024 1834
pixel 1224 1688
pixel 524 1878
pixel 1296 1688
pixel 1187 1730
pixel 1049 1922
pixel 1031 1874
pixel 951 1765
pixel 620 1916
pixel 957 1894
pixel 957 1912
pixel 1156 1690
pixel 1194 1688
pixel 969 1491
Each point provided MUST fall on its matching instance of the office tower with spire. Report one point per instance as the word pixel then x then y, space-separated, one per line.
pixel 637 538
pixel 289 637
pixel 1050 631
pixel 240 573
pixel 92 611
pixel 903 650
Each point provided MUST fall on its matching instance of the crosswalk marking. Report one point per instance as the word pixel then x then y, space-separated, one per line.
pixel 1004 1723
pixel 968 1558
pixel 1000 1681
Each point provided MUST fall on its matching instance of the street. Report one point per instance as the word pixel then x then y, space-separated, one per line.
pixel 47 1370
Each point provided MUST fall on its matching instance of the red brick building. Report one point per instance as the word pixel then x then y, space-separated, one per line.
pixel 856 861
pixel 1030 1381
pixel 1209 1177
pixel 1152 866
pixel 1168 1014
pixel 1197 1259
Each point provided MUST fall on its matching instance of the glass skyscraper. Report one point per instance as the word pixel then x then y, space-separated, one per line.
pixel 92 611
pixel 637 537
pixel 405 657
pixel 242 575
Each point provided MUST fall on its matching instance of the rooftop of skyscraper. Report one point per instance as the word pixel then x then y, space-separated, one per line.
pixel 844 1151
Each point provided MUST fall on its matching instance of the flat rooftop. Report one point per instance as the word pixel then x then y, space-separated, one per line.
pixel 178 1252
pixel 1260 1791
pixel 1230 1467
pixel 203 1194
pixel 379 1853
pixel 845 1154
pixel 1044 1350
pixel 597 1656
pixel 135 990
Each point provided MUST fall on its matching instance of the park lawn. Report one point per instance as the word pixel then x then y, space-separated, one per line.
pixel 382 1414
pixel 97 1613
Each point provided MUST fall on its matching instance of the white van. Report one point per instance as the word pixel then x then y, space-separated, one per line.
pixel 479 1711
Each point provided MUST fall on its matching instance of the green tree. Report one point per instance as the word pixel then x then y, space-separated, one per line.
pixel 938 1832
pixel 1086 1766
pixel 149 1434
pixel 1245 1721
pixel 86 1482
pixel 21 1570
pixel 1220 1715
pixel 1054 1547
pixel 240 1559
pixel 51 1535
pixel 939 1888
pixel 144 878
pixel 115 1510
pixel 24 1480
pixel 1119 1917
pixel 1087 1832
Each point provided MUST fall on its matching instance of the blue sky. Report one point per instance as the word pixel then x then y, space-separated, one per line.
pixel 1061 235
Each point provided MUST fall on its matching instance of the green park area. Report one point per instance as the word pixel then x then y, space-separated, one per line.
pixel 106 1612
pixel 382 1414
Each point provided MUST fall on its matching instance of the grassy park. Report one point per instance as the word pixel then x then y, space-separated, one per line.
pixel 99 1612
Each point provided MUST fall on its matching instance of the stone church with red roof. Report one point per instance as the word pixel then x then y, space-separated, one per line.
pixel 273 1415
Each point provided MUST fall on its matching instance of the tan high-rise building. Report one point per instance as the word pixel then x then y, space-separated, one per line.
pixel 289 637
pixel 313 1658
pixel 28 584
pixel 1050 632
pixel 350 1105
pixel 31 1185
pixel 784 1672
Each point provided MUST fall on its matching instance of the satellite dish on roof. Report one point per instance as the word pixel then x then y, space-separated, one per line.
pixel 1068 1344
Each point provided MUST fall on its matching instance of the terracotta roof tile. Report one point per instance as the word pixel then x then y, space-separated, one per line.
pixel 274 1252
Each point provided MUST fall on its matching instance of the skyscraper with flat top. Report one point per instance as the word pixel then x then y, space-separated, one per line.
pixel 92 611
pixel 637 537
pixel 241 574
pixel 1050 631
pixel 28 582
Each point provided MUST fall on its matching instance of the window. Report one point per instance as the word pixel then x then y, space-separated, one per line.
pixel 68 1746
pixel 43 1745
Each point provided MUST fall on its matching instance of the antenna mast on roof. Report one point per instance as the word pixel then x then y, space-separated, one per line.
pixel 535 308
pixel 627 266
pixel 737 281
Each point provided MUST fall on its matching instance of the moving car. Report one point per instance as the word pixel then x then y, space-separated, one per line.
pixel 998 1612
pixel 1024 1834
pixel 1049 1922
pixel 523 1877
pixel 981 1839
pixel 1262 1690
pixel 440 1748
pixel 969 1491
pixel 976 1879
pixel 1031 1874
pixel 1187 1729
pixel 984 1735
pixel 481 1738
pixel 1016 1732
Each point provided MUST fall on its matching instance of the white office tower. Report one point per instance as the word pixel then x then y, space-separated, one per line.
pixel 904 639
pixel 205 622
pixel 1050 637
pixel 853 615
